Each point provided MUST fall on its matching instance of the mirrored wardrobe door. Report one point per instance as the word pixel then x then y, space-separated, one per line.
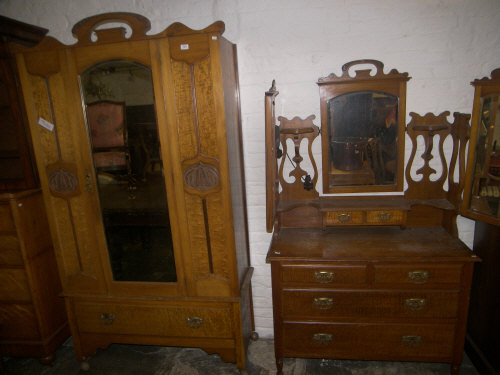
pixel 123 134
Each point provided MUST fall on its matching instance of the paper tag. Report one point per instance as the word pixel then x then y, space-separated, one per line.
pixel 47 125
pixel 214 37
pixel 184 47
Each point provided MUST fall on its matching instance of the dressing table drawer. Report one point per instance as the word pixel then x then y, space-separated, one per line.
pixel 425 274
pixel 371 341
pixel 156 320
pixel 364 217
pixel 344 218
pixel 302 304
pixel 385 217
pixel 324 275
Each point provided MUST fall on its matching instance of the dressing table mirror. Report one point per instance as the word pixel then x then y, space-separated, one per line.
pixel 363 124
pixel 132 135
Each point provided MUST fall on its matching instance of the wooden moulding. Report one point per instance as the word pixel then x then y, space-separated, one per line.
pixel 87 30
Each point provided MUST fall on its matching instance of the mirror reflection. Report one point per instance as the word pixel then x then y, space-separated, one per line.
pixel 486 184
pixel 363 139
pixel 121 122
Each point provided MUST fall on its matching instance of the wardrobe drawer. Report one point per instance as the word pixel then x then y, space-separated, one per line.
pixel 368 341
pixel 418 274
pixel 18 321
pixel 155 320
pixel 14 285
pixel 324 274
pixel 369 304
pixel 10 252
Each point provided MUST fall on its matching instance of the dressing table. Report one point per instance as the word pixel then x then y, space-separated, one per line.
pixel 367 276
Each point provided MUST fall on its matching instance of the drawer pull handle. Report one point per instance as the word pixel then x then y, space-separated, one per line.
pixel 323 303
pixel 322 338
pixel 418 277
pixel 384 217
pixel 324 277
pixel 107 319
pixel 344 218
pixel 412 341
pixel 194 322
pixel 415 304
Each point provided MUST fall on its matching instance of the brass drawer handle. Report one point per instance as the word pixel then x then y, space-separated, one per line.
pixel 344 218
pixel 322 338
pixel 194 322
pixel 324 277
pixel 412 341
pixel 415 304
pixel 323 303
pixel 384 217
pixel 107 318
pixel 418 277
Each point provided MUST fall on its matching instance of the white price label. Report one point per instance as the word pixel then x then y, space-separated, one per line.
pixel 44 123
pixel 184 47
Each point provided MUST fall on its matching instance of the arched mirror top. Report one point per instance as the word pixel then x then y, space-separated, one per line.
pixel 118 80
pixel 482 188
pixel 362 128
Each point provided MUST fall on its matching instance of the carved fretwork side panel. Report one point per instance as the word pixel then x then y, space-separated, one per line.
pixel 303 185
pixel 434 130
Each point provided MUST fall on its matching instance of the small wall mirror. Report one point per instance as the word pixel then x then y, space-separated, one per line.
pixel 123 134
pixel 362 121
pixel 482 189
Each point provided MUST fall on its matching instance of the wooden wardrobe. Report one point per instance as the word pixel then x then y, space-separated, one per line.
pixel 149 223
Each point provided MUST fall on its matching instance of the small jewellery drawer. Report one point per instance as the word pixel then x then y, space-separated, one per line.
pixel 324 275
pixel 302 304
pixel 14 285
pixel 368 341
pixel 387 217
pixel 364 217
pixel 155 320
pixel 344 217
pixel 418 274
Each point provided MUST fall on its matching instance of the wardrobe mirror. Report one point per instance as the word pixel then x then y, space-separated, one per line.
pixel 121 122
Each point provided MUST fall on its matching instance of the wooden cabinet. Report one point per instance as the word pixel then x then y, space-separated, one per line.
pixel 150 231
pixel 17 167
pixel 481 203
pixel 397 303
pixel 32 316
pixel 367 277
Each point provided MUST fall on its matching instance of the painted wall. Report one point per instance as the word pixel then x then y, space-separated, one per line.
pixel 442 44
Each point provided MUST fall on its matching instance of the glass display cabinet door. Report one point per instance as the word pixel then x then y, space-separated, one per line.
pixel 123 133
pixel 482 188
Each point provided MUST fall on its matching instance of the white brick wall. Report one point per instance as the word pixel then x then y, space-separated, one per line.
pixel 443 44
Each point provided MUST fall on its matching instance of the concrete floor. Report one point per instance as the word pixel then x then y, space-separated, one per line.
pixel 155 360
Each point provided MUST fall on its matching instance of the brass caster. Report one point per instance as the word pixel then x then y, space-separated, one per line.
pixel 254 336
